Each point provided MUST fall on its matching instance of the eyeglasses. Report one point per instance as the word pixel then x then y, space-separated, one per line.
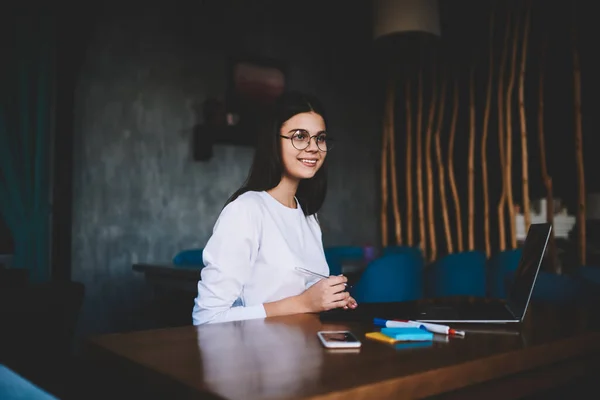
pixel 301 140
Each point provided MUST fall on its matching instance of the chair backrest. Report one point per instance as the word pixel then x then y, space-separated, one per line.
pixel 189 257
pixel 390 278
pixel 499 265
pixel 13 386
pixel 589 273
pixel 458 274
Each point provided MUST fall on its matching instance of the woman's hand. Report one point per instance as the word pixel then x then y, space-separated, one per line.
pixel 322 296
pixel 327 294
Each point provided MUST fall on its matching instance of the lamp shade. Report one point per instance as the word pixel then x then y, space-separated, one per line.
pixel 397 16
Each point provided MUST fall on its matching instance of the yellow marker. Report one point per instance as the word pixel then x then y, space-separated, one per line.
pixel 380 337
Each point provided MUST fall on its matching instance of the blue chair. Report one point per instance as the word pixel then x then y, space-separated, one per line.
pixel 551 288
pixel 390 278
pixel 335 256
pixel 590 274
pixel 14 387
pixel 589 277
pixel 459 274
pixel 189 258
pixel 499 265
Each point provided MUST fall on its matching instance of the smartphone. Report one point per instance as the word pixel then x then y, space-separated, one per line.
pixel 338 339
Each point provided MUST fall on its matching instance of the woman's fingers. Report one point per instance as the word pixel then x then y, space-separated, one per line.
pixel 338 300
pixel 343 296
pixel 352 302
pixel 337 304
pixel 337 280
pixel 337 288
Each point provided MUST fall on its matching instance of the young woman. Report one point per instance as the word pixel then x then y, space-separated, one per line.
pixel 269 227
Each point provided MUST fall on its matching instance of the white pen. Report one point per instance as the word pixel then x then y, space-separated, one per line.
pixel 434 328
pixel 307 271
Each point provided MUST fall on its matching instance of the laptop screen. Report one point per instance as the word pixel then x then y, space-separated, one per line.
pixel 525 275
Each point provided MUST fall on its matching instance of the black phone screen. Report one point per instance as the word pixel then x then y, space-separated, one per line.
pixel 339 337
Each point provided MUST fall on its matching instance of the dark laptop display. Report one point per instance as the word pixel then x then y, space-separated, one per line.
pixel 519 293
pixel 525 276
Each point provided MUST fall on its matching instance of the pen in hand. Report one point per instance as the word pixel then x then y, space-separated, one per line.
pixel 306 271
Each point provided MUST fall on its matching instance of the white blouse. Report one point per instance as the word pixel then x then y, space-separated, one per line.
pixel 251 257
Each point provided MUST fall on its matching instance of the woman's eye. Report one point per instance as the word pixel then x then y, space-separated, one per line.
pixel 322 138
pixel 300 135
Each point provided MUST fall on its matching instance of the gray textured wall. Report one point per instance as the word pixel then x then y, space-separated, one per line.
pixel 139 197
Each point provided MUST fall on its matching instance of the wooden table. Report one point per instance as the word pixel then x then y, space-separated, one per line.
pixel 281 358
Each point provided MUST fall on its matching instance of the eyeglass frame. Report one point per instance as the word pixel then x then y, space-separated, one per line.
pixel 309 139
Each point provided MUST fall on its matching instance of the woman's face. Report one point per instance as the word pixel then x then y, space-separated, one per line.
pixel 303 163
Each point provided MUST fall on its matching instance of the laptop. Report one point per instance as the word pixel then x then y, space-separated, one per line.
pixel 496 312
pixel 519 294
